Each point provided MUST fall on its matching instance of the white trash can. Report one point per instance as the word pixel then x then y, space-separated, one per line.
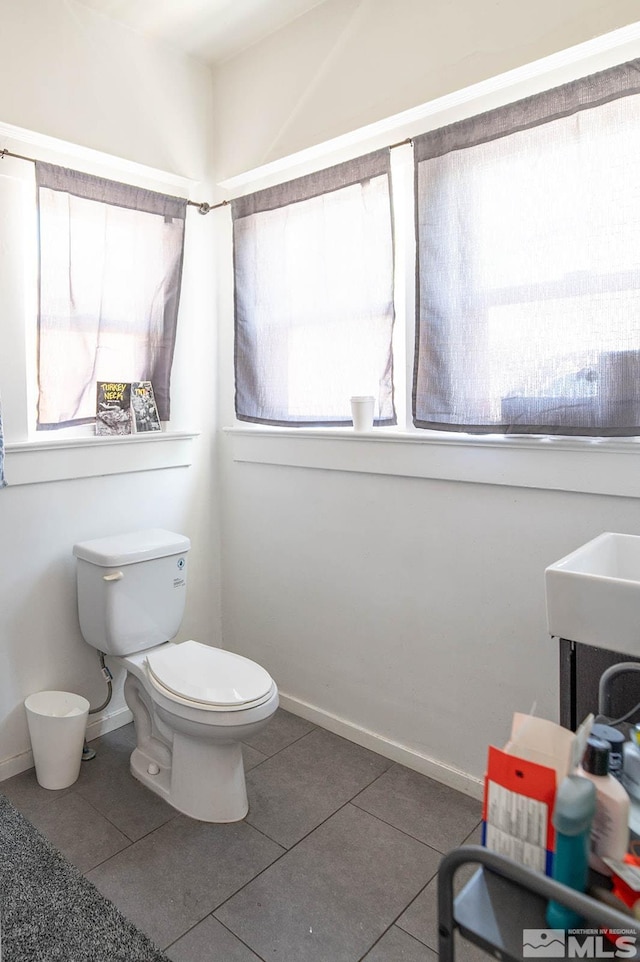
pixel 57 724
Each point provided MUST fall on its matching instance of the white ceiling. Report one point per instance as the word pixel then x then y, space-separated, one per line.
pixel 212 30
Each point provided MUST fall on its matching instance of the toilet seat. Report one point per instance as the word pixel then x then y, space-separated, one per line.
pixel 204 677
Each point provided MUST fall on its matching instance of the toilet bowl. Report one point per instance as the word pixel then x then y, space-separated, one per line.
pixel 192 704
pixel 190 724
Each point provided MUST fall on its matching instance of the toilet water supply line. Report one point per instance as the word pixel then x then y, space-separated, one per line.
pixel 87 752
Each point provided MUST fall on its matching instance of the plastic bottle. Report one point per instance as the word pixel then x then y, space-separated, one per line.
pixel 610 829
pixel 572 819
pixel 631 764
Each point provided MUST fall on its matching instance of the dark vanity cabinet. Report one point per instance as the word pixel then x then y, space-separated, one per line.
pixel 580 669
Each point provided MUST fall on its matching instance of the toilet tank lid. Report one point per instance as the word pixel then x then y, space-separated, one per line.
pixel 129 548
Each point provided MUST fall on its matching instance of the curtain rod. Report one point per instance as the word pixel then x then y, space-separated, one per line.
pixel 203 208
pixel 401 143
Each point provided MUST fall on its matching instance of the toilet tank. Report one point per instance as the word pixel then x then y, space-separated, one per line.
pixel 131 589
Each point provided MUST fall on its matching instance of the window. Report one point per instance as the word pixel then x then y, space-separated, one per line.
pixel 528 298
pixel 314 312
pixel 527 283
pixel 110 272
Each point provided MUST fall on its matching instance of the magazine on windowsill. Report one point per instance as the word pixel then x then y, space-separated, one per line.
pixel 113 408
pixel 126 407
pixel 145 410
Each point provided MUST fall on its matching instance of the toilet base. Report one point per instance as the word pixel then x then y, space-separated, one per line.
pixel 196 767
pixel 221 794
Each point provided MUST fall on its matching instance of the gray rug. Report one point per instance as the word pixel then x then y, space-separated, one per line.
pixel 49 911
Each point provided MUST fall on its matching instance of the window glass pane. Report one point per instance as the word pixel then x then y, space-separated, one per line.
pixel 529 278
pixel 109 288
pixel 314 305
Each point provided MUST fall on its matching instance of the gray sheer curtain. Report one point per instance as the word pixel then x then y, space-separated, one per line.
pixel 313 261
pixel 110 272
pixel 528 273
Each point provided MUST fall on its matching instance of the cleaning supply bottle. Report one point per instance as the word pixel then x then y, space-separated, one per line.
pixel 631 764
pixel 573 814
pixel 610 829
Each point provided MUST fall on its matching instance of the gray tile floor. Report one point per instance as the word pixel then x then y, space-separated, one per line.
pixel 335 862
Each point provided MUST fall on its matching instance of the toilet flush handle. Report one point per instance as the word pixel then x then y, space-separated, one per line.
pixel 114 576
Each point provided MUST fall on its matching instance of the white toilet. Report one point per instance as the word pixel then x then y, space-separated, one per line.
pixel 192 704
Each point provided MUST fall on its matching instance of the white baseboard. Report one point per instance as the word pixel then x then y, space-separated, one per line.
pixel 15 765
pixel 439 771
pixel 108 723
pixel 95 728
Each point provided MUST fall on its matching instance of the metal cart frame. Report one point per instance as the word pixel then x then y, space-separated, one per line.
pixel 503 899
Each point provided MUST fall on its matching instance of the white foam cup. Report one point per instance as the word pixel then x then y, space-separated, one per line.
pixel 362 409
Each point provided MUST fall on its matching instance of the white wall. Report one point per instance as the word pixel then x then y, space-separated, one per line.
pixel 408 613
pixel 70 74
pixel 73 74
pixel 348 63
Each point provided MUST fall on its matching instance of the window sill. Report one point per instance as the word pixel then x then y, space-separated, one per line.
pixel 65 459
pixel 585 465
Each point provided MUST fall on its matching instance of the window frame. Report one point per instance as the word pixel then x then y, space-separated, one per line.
pixel 36 456
pixel 495 209
pixel 295 249
pixel 111 258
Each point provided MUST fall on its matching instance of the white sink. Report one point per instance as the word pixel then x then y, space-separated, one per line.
pixel 593 595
